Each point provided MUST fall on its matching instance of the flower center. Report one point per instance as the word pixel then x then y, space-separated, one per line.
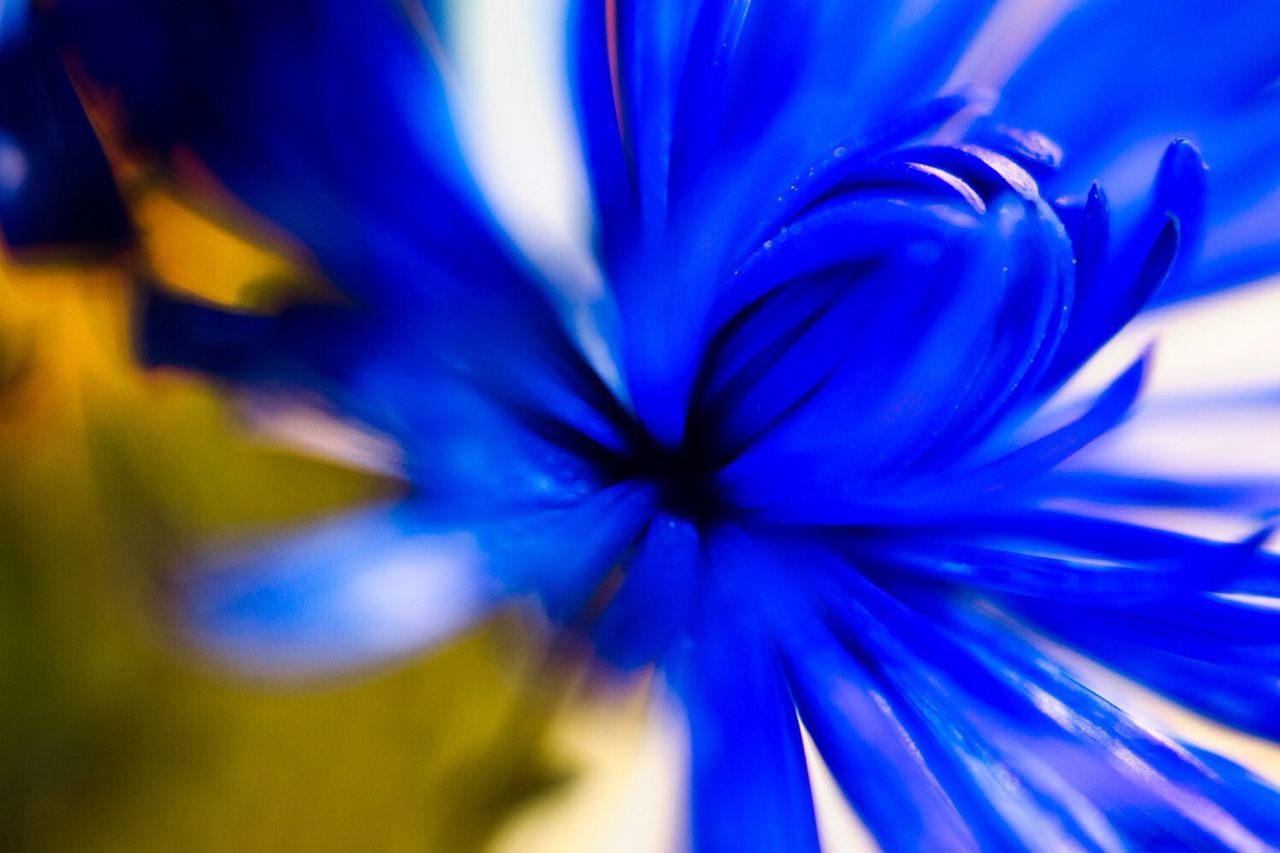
pixel 684 477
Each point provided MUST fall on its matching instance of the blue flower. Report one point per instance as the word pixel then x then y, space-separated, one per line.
pixel 807 453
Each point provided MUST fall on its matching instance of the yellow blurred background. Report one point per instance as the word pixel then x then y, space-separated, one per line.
pixel 112 735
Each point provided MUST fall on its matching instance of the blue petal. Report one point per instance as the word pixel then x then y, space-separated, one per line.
pixel 1146 249
pixel 1010 796
pixel 1247 568
pixel 381 583
pixel 1180 193
pixel 750 789
pixel 1191 647
pixel 878 759
pixel 1216 798
pixel 787 387
pixel 1216 655
pixel 1257 793
pixel 1251 497
pixel 652 39
pixel 56 189
pixel 335 348
pixel 792 432
pixel 1100 762
pixel 593 45
pixel 562 554
pixel 1110 292
pixel 657 590
pixel 1117 71
pixel 756 68
pixel 892 776
pixel 485 426
pixel 700 85
pixel 364 588
pixel 1242 700
pixel 1243 240
pixel 920 369
pixel 1014 567
pixel 1246 248
pixel 326 118
pixel 676 292
pixel 668 329
pixel 1046 452
pixel 1152 265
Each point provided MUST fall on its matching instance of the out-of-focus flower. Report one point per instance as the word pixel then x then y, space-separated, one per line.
pixel 805 450
pixel 110 740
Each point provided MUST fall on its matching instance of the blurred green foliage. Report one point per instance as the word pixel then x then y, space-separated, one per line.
pixel 113 736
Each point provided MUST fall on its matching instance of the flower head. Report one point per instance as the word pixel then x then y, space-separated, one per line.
pixel 807 449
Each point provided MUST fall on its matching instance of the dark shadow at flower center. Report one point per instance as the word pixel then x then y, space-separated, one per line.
pixel 683 476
